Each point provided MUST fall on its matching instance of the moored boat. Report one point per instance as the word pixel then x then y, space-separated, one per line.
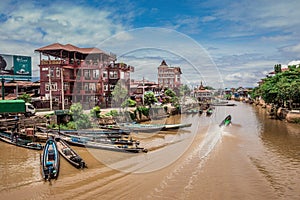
pixel 69 154
pixel 142 127
pixel 50 160
pixel 14 139
pixel 176 126
pixel 86 142
pixel 98 132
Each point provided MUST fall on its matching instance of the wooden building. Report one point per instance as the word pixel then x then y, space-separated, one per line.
pixel 72 74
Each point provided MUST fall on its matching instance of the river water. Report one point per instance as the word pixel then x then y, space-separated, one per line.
pixel 254 158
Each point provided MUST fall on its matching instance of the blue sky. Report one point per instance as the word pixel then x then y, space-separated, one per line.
pixel 222 43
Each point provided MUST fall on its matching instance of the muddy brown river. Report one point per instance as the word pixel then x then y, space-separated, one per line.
pixel 254 158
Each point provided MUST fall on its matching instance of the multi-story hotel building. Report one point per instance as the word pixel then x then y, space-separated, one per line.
pixel 72 74
pixel 168 77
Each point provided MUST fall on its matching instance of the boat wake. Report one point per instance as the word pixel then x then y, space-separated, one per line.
pixel 190 168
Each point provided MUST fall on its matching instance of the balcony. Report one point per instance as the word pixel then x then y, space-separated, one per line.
pixel 54 62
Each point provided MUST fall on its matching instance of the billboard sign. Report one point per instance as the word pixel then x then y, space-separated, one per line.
pixel 14 67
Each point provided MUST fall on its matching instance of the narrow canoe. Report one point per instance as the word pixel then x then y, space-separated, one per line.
pixel 69 154
pixel 176 126
pixel 142 127
pixel 8 138
pixel 83 142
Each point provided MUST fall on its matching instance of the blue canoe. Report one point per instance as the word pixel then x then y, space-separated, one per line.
pixel 50 160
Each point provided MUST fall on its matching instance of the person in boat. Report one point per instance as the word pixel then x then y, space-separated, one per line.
pixel 228 118
pixel 226 121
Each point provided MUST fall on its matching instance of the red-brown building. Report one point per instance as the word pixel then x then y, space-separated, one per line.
pixel 87 75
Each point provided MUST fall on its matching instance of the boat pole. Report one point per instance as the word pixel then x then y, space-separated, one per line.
pixel 2 87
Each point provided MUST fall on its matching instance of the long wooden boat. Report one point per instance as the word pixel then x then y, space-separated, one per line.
pixel 114 127
pixel 50 160
pixel 142 127
pixel 97 132
pixel 9 138
pixel 92 135
pixel 176 126
pixel 107 139
pixel 69 154
pixel 85 142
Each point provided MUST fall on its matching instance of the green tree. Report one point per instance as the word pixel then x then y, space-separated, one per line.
pixel 25 97
pixel 277 68
pixel 129 102
pixel 184 90
pixel 120 94
pixel 169 92
pixel 95 112
pixel 281 88
pixel 149 98
pixel 81 120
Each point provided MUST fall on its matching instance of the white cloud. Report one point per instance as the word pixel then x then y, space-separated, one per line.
pixel 67 23
pixel 292 49
pixel 206 19
pixel 27 26
pixel 294 62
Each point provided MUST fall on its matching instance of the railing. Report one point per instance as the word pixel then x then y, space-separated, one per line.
pixel 53 62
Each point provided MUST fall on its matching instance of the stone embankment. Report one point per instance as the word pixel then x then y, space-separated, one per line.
pixel 291 116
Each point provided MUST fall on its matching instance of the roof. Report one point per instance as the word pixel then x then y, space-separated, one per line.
pixel 22 84
pixel 203 91
pixel 53 48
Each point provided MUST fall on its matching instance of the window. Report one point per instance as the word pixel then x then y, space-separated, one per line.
pixel 53 88
pixel 86 86
pixel 51 72
pixel 92 86
pixel 66 86
pixel 105 87
pixel 95 74
pixel 47 87
pixel 57 72
pixel 87 74
pixel 113 74
pixel 111 87
pixel 105 74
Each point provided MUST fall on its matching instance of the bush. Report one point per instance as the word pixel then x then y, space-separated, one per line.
pixel 95 112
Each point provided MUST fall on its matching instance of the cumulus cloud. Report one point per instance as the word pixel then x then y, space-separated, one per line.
pixel 67 23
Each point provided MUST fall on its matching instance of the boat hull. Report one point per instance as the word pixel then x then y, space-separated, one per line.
pixel 69 154
pixel 6 137
pixel 50 160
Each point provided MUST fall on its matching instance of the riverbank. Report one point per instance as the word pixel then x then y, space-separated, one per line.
pixel 290 116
